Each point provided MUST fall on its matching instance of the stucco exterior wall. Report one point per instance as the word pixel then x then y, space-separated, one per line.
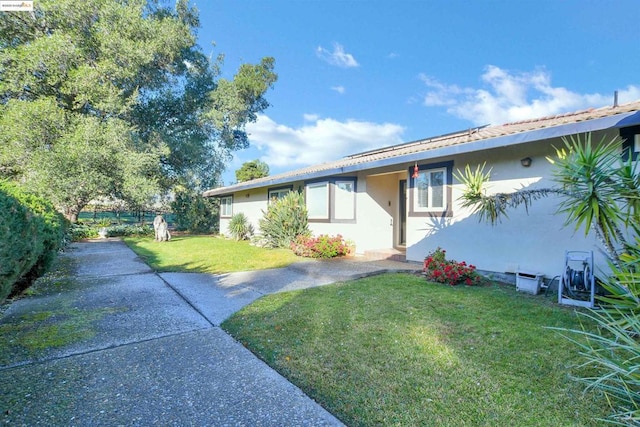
pixel 376 206
pixel 251 203
pixel 533 241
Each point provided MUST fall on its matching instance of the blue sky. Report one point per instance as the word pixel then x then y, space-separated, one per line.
pixel 357 75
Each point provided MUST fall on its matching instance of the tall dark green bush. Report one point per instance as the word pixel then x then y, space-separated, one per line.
pixel 284 220
pixel 195 213
pixel 31 233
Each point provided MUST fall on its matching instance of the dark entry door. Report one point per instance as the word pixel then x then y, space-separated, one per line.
pixel 403 213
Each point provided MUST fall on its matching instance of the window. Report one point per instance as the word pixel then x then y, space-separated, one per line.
pixel 278 193
pixel 344 200
pixel 331 201
pixel 318 200
pixel 431 190
pixel 226 206
pixel 631 142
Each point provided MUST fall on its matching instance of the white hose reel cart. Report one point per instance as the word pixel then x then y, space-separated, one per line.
pixel 577 282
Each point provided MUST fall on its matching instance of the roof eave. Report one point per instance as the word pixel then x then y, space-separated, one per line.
pixel 591 125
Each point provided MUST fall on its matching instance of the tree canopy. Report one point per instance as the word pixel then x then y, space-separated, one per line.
pixel 252 170
pixel 115 98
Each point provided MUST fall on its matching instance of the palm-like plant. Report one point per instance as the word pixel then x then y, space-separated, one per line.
pixel 599 192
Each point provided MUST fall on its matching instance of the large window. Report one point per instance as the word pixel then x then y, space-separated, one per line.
pixel 431 190
pixel 317 196
pixel 344 206
pixel 226 206
pixel 333 200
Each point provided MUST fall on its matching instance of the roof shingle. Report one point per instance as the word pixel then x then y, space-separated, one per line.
pixel 427 144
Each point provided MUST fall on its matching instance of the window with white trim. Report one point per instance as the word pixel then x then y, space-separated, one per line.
pixel 333 200
pixel 344 206
pixel 226 206
pixel 278 193
pixel 317 196
pixel 430 193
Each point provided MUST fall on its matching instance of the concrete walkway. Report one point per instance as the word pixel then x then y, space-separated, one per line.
pixel 153 352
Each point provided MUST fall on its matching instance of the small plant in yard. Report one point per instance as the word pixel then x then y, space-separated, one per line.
pixel 323 246
pixel 438 269
pixel 240 227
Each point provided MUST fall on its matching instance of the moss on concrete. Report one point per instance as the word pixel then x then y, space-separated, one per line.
pixel 34 333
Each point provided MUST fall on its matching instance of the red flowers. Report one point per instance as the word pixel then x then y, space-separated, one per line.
pixel 438 269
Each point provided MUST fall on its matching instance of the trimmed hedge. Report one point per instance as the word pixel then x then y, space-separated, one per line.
pixel 31 233
pixel 80 231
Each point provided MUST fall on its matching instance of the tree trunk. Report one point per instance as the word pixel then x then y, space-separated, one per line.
pixel 72 217
pixel 71 214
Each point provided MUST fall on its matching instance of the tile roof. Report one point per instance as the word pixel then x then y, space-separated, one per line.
pixel 428 144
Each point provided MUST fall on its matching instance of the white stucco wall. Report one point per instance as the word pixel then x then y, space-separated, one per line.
pixel 533 241
pixel 376 204
pixel 251 203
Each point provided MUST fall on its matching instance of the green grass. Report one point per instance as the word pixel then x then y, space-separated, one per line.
pixel 207 254
pixel 396 350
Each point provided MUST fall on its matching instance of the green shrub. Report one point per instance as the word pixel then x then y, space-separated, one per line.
pixel 31 233
pixel 195 213
pixel 323 246
pixel 284 220
pixel 240 227
pixel 130 230
pixel 83 231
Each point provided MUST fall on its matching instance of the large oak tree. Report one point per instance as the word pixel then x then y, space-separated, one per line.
pixel 115 98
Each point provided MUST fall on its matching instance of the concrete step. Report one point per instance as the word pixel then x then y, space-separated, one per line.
pixel 388 253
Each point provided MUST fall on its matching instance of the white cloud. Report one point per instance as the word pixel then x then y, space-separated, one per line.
pixel 319 140
pixel 512 96
pixel 338 57
pixel 340 89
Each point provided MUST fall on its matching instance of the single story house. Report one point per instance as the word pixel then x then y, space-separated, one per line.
pixel 379 201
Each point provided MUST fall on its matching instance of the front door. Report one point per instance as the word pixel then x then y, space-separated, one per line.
pixel 402 232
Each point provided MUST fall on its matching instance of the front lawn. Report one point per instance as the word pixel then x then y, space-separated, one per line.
pixel 396 350
pixel 207 254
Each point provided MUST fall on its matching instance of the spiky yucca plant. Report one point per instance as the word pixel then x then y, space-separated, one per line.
pixel 240 227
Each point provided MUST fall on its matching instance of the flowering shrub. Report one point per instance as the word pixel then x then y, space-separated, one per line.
pixel 438 269
pixel 323 246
